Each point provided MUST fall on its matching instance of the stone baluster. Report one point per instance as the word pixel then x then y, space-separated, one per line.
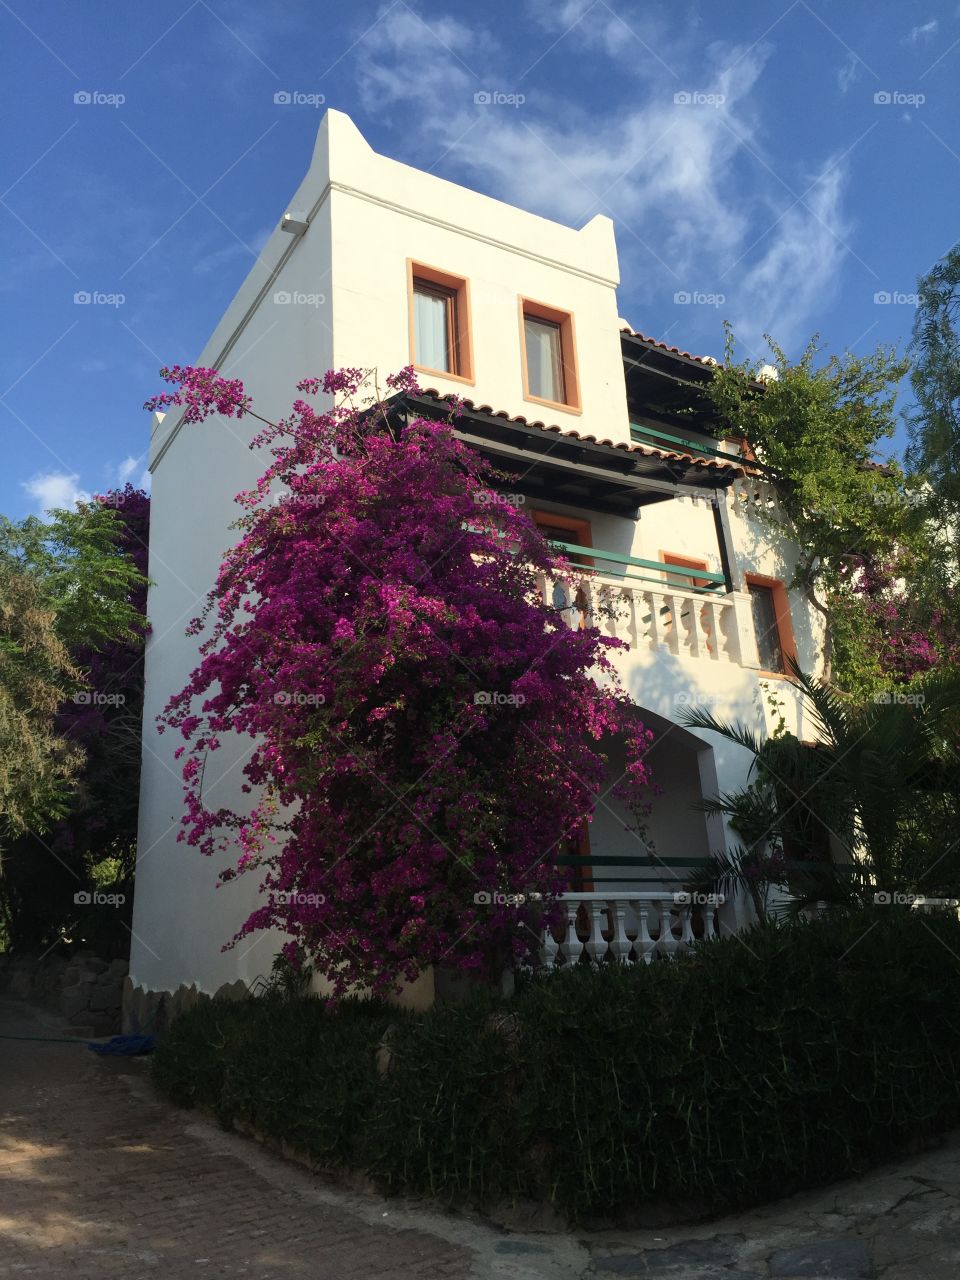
pixel 619 943
pixel 595 946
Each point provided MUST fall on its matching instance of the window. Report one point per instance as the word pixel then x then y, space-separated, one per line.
pixel 771 623
pixel 439 322
pixel 548 356
pixel 568 529
pixel 683 562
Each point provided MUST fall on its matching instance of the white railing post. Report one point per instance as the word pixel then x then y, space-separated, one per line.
pixel 747 653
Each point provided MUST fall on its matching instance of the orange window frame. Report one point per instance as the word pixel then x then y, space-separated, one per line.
pixel 457 290
pixel 781 610
pixel 568 353
pixel 580 528
pixel 685 562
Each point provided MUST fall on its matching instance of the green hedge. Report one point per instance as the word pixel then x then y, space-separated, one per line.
pixel 784 1058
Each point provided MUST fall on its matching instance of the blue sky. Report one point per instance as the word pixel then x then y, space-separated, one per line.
pixel 790 167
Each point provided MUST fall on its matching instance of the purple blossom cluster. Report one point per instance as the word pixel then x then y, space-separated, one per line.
pixel 347 636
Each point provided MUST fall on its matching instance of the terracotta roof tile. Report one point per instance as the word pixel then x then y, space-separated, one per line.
pixel 645 450
pixel 709 361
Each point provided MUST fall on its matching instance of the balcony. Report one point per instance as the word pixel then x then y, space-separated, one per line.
pixel 627 927
pixel 698 619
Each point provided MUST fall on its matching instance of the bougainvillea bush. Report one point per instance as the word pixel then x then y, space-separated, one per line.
pixel 425 730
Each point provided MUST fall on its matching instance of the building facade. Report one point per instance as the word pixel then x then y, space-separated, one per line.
pixel 377 265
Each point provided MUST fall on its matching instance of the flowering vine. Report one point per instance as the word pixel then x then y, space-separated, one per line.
pixel 422 729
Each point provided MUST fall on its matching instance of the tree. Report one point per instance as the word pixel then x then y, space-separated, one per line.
pixel 37 765
pixel 86 571
pixel 818 427
pixel 883 781
pixel 935 423
pixel 424 730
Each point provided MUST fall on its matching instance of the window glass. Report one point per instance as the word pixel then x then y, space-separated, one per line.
pixel 765 626
pixel 544 359
pixel 432 310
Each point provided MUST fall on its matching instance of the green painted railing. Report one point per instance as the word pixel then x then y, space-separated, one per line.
pixel 641 432
pixel 714 581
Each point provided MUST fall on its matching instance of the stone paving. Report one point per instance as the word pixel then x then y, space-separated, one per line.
pixel 98 1178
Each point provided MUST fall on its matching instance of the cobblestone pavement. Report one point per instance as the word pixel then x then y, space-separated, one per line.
pixel 98 1178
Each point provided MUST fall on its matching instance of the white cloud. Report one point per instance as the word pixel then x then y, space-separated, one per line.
pixel 848 73
pixel 692 186
pixel 919 34
pixel 799 269
pixel 49 489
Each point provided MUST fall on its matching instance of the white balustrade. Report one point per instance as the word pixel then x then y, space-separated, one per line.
pixel 690 624
pixel 626 927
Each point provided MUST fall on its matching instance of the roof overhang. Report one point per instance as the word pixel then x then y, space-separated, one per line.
pixel 562 466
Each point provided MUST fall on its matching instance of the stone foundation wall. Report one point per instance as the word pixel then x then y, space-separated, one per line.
pixel 82 988
pixel 148 1012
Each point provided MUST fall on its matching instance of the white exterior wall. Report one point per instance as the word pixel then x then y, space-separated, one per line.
pixel 368 215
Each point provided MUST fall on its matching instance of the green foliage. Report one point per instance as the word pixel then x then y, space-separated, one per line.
pixel 883 781
pixel 37 764
pixel 935 423
pixel 819 425
pixel 786 1058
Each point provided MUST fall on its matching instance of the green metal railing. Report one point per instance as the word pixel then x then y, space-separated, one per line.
pixel 715 582
pixel 640 432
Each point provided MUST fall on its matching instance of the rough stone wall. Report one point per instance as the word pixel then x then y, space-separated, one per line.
pixel 82 988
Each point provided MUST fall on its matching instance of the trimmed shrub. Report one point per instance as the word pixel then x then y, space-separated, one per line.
pixel 783 1058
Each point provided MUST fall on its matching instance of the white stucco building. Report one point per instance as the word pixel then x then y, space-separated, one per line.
pixel 375 264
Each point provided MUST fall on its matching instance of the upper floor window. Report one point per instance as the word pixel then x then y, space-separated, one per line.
pixel 439 322
pixel 771 623
pixel 549 355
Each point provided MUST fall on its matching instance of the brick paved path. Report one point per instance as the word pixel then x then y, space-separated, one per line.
pixel 99 1180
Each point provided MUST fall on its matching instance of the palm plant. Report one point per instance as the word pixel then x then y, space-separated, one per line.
pixel 872 806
